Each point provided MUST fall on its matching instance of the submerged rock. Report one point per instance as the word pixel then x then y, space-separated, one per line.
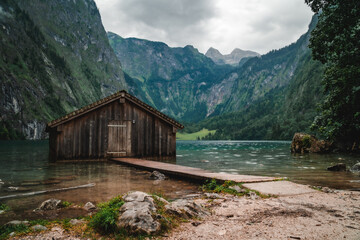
pixel 157 176
pixel 340 167
pixel 304 143
pixel 355 168
pixel 50 204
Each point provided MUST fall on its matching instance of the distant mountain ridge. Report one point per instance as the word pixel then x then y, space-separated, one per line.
pixel 178 81
pixel 234 58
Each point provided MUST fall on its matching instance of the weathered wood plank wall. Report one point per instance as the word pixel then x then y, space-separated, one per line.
pixel 87 136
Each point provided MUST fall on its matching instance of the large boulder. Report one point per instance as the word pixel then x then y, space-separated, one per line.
pixel 304 143
pixel 136 215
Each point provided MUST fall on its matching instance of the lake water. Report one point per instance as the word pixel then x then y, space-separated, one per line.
pixel 268 158
pixel 25 169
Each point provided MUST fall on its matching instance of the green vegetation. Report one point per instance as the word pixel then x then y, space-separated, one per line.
pixel 20 229
pixel 65 204
pixel 194 136
pixel 104 221
pixel 213 186
pixel 335 43
pixel 4 207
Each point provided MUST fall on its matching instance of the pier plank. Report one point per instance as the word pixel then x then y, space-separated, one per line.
pixel 190 172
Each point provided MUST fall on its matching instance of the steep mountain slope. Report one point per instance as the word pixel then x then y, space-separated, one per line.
pixel 54 57
pixel 273 97
pixel 234 58
pixel 177 81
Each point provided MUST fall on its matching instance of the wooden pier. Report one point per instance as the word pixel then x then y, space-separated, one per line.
pixel 190 173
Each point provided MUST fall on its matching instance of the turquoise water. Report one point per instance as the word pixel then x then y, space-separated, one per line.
pixel 268 158
pixel 25 169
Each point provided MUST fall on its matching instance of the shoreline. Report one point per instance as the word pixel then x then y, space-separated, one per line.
pixel 333 214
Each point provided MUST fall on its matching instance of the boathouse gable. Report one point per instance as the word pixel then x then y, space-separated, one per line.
pixel 117 126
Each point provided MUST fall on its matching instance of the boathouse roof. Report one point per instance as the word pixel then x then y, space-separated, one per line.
pixel 109 99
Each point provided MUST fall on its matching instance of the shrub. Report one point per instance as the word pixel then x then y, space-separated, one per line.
pixel 105 220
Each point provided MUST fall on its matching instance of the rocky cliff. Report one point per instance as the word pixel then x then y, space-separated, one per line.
pixel 54 58
pixel 180 82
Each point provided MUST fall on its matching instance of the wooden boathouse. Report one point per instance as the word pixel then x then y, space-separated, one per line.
pixel 119 125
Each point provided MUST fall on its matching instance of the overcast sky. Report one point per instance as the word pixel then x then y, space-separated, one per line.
pixel 258 25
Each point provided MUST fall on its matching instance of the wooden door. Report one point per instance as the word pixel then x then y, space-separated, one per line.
pixel 119 138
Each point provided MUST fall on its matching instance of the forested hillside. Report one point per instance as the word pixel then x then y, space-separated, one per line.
pixel 178 81
pixel 274 97
pixel 54 58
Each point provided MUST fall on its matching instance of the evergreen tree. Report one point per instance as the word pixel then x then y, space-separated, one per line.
pixel 335 42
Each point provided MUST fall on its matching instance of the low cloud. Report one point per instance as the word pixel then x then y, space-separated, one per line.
pixel 259 25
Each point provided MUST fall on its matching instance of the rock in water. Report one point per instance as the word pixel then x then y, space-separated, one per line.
pixel 355 168
pixel 136 215
pixel 157 175
pixel 50 204
pixel 304 143
pixel 340 167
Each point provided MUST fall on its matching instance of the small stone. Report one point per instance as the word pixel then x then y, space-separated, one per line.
pixel 2 211
pixel 155 175
pixel 237 189
pixel 196 223
pixel 355 168
pixel 12 234
pixel 39 227
pixel 89 206
pixel 17 222
pixel 212 195
pixel 340 167
pixel 186 209
pixel 327 190
pixel 50 204
pixel 222 232
pixel 189 196
pixel 76 222
pixel 253 196
pixel 13 189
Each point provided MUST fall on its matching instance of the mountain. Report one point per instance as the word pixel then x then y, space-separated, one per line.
pixel 234 58
pixel 54 57
pixel 178 81
pixel 272 97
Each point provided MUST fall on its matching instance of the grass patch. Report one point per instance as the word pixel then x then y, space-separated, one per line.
pixel 4 207
pixel 104 221
pixel 5 230
pixel 194 136
pixel 213 186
